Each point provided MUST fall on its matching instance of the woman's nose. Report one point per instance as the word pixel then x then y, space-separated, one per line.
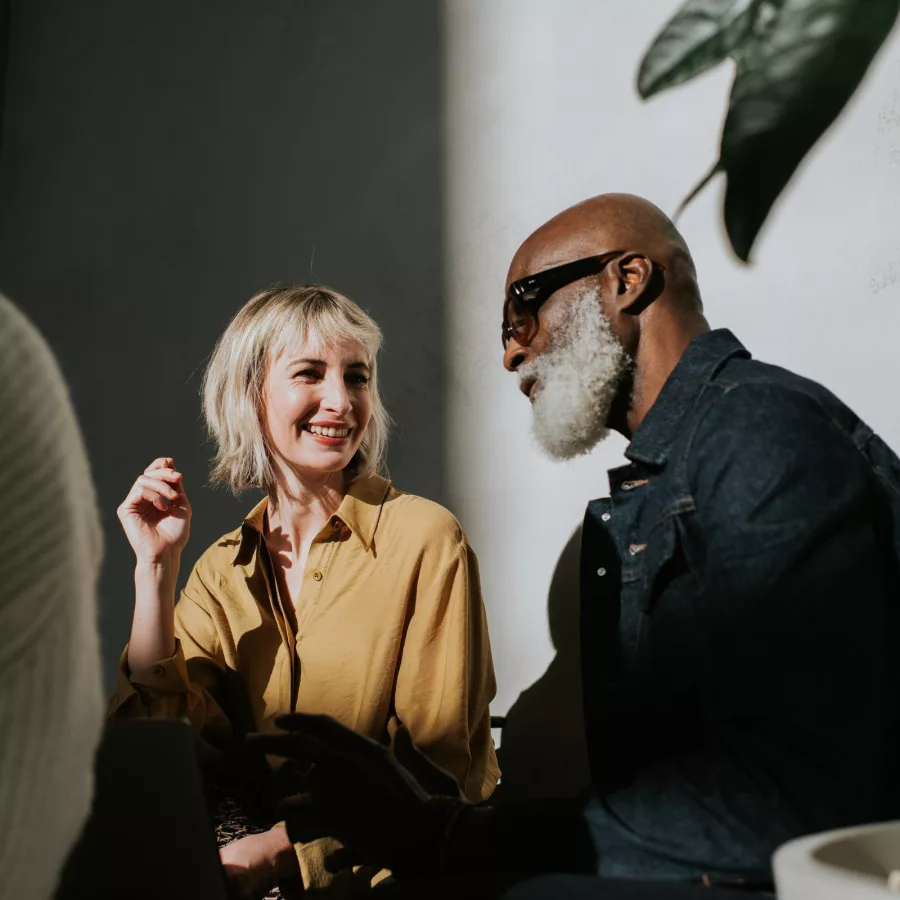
pixel 336 398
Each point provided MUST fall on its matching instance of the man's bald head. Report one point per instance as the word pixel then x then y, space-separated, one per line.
pixel 610 222
pixel 594 351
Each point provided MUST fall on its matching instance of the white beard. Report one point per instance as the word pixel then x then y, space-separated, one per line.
pixel 578 377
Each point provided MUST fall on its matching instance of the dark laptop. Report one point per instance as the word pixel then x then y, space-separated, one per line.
pixel 149 836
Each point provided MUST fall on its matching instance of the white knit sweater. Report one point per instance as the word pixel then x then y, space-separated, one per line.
pixel 50 548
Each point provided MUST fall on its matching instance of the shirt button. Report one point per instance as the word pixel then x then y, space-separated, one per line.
pixel 159 671
pixel 317 575
pixel 606 517
pixel 601 571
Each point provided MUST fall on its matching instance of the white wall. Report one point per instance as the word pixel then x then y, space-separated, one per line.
pixel 541 113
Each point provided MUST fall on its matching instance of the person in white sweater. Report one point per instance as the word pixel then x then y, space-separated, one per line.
pixel 51 698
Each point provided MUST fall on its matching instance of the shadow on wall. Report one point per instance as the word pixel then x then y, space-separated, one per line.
pixel 542 751
pixel 162 162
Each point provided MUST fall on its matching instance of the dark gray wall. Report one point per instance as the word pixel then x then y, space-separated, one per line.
pixel 162 161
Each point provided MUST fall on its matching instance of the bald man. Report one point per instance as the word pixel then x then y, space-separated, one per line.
pixel 739 594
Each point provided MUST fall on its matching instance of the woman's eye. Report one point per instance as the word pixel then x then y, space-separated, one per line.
pixel 358 379
pixel 307 373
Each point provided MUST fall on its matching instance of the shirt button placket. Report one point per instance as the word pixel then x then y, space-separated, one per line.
pixel 602 571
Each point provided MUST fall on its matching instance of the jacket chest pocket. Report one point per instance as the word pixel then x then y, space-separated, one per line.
pixel 649 565
pixel 662 562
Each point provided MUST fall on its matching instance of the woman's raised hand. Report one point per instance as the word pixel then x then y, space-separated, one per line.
pixel 156 514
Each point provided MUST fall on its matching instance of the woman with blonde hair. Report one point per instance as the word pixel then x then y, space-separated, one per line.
pixel 338 594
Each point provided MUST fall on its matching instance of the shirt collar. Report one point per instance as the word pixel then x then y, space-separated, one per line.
pixel 704 356
pixel 360 511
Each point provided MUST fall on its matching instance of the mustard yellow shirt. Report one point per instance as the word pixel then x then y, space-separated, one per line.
pixel 390 629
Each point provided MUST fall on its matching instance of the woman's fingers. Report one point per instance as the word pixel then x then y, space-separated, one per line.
pixel 154 491
pixel 152 497
pixel 163 488
pixel 161 485
pixel 161 462
pixel 164 467
pixel 175 480
pixel 166 473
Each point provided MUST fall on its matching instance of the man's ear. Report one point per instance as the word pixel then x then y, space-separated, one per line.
pixel 637 280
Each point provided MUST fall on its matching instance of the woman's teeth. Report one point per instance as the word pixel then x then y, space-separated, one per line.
pixel 328 432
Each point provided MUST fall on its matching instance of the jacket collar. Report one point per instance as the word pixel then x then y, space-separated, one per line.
pixel 704 356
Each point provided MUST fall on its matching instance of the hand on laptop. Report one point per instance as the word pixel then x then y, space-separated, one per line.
pixel 360 794
pixel 254 864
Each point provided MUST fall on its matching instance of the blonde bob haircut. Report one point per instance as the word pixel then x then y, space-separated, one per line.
pixel 234 381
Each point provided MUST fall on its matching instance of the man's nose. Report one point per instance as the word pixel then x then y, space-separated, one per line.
pixel 513 356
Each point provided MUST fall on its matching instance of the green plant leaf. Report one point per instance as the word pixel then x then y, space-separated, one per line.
pixel 700 35
pixel 795 73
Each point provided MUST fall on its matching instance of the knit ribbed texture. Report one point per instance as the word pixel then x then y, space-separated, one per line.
pixel 50 547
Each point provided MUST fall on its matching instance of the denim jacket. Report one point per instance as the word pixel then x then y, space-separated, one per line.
pixel 739 594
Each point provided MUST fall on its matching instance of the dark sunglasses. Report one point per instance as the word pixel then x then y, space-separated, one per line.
pixel 527 295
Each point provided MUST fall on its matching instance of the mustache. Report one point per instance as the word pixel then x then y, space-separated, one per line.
pixel 534 368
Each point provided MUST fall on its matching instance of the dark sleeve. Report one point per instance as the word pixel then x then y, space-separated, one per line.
pixel 794 580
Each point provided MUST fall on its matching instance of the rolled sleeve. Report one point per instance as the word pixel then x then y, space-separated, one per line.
pixel 169 676
pixel 184 685
pixel 150 684
pixel 312 858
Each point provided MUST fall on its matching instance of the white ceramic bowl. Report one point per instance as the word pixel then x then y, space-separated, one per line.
pixel 846 864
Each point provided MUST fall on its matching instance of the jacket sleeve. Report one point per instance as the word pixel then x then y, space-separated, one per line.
pixel 796 581
pixel 445 680
pixel 185 685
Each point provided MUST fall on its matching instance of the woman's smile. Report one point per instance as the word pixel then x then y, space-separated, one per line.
pixel 330 434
